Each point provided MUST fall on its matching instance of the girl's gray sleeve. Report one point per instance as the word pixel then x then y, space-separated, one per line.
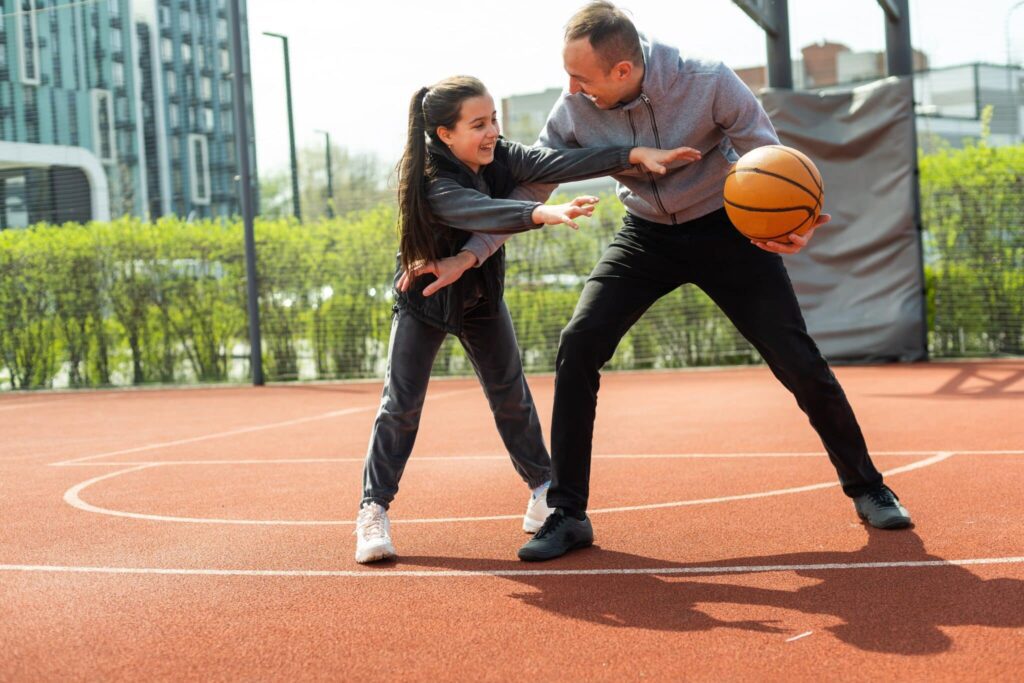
pixel 484 245
pixel 467 209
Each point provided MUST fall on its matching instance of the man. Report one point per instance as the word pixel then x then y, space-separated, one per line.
pixel 626 90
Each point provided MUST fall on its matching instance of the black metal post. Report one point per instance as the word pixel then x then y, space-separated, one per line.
pixel 899 57
pixel 773 17
pixel 245 190
pixel 330 175
pixel 780 64
pixel 296 200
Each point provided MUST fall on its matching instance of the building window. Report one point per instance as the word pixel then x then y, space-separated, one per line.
pixel 206 88
pixel 118 69
pixel 208 119
pixel 115 41
pixel 31 115
pixel 167 49
pixel 186 52
pixel 28 38
pixel 103 125
pixel 114 7
pixel 199 169
pixel 173 116
pixel 15 202
pixel 225 61
pixel 172 84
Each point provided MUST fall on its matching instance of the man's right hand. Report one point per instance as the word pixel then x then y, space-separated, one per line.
pixel 553 214
pixel 447 271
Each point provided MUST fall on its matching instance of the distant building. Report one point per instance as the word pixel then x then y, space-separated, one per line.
pixel 951 100
pixel 825 63
pixel 115 107
pixel 523 116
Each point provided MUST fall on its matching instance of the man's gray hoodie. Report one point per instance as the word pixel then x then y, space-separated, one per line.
pixel 683 102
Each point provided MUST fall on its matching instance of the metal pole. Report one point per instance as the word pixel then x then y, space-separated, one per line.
pixel 899 55
pixel 296 201
pixel 330 175
pixel 1011 80
pixel 780 64
pixel 245 191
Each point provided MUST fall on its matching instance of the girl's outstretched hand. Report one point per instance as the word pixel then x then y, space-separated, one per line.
pixel 656 160
pixel 447 271
pixel 554 214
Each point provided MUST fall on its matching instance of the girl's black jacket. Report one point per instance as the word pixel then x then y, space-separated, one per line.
pixel 457 195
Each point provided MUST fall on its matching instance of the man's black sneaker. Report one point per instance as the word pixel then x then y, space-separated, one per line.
pixel 881 509
pixel 559 534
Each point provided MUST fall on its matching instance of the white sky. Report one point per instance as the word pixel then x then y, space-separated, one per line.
pixel 356 64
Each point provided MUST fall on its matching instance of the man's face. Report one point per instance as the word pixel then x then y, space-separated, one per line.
pixel 588 74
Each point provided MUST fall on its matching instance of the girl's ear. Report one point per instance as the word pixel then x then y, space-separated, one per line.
pixel 445 135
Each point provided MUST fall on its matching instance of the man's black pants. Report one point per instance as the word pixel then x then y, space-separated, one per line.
pixel 647 261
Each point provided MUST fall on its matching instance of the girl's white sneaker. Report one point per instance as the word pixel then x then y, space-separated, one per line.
pixel 373 535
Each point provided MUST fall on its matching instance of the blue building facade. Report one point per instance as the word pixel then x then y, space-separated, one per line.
pixel 115 107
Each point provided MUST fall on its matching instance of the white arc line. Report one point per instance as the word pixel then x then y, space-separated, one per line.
pixel 513 573
pixel 241 430
pixel 73 498
pixel 802 635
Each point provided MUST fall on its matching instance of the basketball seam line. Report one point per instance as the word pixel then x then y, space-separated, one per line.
pixel 810 214
pixel 809 172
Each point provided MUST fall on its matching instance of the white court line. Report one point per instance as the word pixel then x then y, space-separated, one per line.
pixel 73 498
pixel 504 458
pixel 802 635
pixel 513 573
pixel 243 430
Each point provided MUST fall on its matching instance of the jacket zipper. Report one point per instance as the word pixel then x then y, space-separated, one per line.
pixel 657 142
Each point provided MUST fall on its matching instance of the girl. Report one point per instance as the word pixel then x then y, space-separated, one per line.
pixel 456 168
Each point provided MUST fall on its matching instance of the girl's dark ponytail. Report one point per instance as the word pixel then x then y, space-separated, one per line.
pixel 414 216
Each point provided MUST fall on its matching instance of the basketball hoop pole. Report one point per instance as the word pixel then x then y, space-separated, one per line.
pixel 773 17
pixel 245 191
pixel 899 57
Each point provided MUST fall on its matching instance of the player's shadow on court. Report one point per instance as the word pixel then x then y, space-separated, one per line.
pixel 978 381
pixel 900 610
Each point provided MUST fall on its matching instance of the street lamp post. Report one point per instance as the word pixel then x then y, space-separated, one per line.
pixel 1011 82
pixel 245 191
pixel 330 175
pixel 296 201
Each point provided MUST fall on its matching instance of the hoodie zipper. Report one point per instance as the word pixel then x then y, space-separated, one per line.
pixel 657 142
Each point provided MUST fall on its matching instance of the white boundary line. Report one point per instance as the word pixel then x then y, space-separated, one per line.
pixel 513 573
pixel 73 498
pixel 244 430
pixel 504 458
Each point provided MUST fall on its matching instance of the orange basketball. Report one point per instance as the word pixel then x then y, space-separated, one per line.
pixel 772 192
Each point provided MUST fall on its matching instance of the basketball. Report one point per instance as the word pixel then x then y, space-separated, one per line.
pixel 772 192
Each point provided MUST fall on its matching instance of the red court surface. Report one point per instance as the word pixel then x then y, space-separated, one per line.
pixel 207 534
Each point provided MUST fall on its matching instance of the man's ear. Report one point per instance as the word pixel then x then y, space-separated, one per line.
pixel 623 70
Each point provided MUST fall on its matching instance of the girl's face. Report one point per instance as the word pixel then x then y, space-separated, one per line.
pixel 473 138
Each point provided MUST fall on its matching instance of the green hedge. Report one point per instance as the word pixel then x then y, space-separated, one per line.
pixel 129 302
pixel 973 210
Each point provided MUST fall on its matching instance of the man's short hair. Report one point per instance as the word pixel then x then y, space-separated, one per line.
pixel 611 32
